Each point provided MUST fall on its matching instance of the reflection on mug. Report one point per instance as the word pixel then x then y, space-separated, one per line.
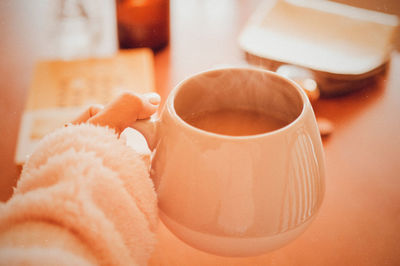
pixel 304 186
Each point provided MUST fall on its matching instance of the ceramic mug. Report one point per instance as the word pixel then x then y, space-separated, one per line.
pixel 236 195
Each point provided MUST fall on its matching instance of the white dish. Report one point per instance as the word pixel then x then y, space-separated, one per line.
pixel 340 41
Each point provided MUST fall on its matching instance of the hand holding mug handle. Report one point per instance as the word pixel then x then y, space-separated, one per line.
pixel 121 115
pixel 121 112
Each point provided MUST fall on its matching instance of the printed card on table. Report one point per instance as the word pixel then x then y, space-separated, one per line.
pixel 60 90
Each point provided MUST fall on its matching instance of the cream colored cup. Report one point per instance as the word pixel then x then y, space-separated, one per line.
pixel 236 195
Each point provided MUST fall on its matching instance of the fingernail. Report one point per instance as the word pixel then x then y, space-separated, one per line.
pixel 153 98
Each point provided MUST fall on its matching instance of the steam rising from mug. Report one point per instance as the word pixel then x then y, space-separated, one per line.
pixel 237 195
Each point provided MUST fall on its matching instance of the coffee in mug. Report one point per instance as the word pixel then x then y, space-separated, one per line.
pixel 234 122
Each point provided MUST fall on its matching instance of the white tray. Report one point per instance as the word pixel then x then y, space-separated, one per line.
pixel 336 41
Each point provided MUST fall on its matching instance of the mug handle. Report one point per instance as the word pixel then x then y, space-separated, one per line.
pixel 148 128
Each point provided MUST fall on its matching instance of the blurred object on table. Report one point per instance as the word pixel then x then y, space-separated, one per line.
pixel 143 23
pixel 304 77
pixel 82 28
pixel 325 126
pixel 346 47
pixel 60 90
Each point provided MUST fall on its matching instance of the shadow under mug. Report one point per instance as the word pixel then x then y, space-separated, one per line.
pixel 236 195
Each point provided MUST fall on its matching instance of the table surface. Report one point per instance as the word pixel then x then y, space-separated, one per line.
pixel 359 221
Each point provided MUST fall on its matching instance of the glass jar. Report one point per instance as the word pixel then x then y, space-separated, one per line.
pixel 143 23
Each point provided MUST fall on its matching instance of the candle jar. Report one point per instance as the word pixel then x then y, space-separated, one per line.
pixel 143 23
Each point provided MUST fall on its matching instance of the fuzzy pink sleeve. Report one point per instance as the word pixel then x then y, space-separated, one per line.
pixel 86 180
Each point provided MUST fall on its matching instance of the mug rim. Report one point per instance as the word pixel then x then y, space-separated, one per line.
pixel 171 107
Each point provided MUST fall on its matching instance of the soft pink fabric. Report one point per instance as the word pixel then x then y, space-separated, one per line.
pixel 86 180
pixel 115 155
pixel 39 256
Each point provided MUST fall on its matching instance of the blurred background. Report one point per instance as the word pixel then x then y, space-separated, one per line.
pixel 66 29
pixel 196 34
pixel 359 220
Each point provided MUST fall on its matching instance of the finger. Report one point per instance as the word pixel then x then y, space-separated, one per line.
pixel 125 110
pixel 151 103
pixel 88 113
